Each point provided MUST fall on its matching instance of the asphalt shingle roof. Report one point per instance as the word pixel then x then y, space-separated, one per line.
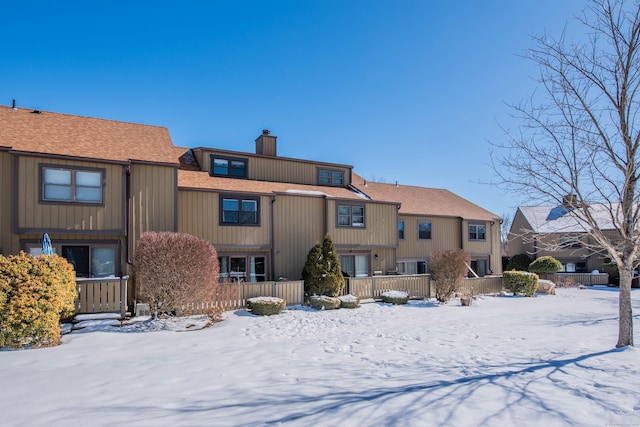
pixel 424 201
pixel 202 180
pixel 84 137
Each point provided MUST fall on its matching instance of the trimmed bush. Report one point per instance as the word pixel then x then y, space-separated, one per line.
pixel 322 273
pixel 448 268
pixel 395 297
pixel 519 262
pixel 545 264
pixel 349 301
pixel 266 306
pixel 520 282
pixel 34 294
pixel 175 270
pixel 324 302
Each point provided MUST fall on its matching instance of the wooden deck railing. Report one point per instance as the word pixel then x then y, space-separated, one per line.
pixel 102 295
pixel 482 285
pixel 232 296
pixel 581 278
pixel 416 285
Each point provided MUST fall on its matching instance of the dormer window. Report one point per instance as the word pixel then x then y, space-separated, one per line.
pixel 330 177
pixel 228 167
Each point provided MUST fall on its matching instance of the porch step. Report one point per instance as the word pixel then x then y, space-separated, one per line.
pixel 96 321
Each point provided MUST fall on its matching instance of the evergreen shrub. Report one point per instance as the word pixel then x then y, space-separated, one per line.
pixel 35 292
pixel 349 301
pixel 395 297
pixel 324 302
pixel 519 262
pixel 520 282
pixel 266 306
pixel 545 264
pixel 322 273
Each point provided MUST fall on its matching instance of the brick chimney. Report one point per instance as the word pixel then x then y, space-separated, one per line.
pixel 266 144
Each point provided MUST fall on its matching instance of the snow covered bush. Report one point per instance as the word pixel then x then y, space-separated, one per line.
pixel 448 268
pixel 520 282
pixel 34 294
pixel 349 301
pixel 395 297
pixel 322 273
pixel 175 270
pixel 324 302
pixel 266 306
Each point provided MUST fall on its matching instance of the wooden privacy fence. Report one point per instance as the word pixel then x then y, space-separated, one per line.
pixel 102 295
pixel 580 278
pixel 482 285
pixel 416 285
pixel 232 296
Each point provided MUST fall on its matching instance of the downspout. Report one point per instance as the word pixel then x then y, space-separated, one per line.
pixel 326 217
pixel 461 232
pixel 271 237
pixel 127 220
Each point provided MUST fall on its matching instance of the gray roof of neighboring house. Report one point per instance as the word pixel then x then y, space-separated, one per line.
pixel 556 219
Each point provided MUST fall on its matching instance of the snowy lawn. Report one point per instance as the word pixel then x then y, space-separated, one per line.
pixel 504 361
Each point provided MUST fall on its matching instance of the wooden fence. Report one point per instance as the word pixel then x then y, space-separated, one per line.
pixel 232 296
pixel 482 285
pixel 417 285
pixel 102 295
pixel 580 278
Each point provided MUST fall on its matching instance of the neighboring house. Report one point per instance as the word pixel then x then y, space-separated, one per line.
pixel 432 219
pixel 557 231
pixel 96 185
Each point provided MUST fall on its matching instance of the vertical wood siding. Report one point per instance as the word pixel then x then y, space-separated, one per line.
pixel 8 241
pixel 198 214
pixel 445 234
pixel 381 225
pixel 298 224
pixel 33 215
pixel 276 169
pixel 153 200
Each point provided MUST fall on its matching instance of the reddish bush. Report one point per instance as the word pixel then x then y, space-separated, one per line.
pixel 174 270
pixel 448 268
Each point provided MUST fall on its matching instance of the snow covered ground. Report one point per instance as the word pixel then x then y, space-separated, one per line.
pixel 504 361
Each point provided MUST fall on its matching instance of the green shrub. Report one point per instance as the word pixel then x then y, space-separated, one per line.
pixel 175 270
pixel 395 297
pixel 520 282
pixel 519 262
pixel 448 268
pixel 545 264
pixel 322 273
pixel 323 302
pixel 349 301
pixel 266 306
pixel 34 294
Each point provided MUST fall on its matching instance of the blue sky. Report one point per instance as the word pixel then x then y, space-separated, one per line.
pixel 408 91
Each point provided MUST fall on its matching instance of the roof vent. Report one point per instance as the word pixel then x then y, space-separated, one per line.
pixel 36 112
pixel 13 105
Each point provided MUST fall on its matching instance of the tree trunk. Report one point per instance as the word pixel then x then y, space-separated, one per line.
pixel 625 324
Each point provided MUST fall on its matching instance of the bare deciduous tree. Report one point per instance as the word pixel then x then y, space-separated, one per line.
pixel 580 135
